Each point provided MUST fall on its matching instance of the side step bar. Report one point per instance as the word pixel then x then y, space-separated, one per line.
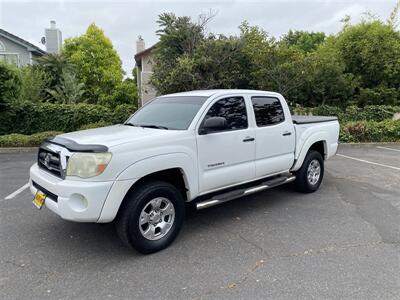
pixel 225 197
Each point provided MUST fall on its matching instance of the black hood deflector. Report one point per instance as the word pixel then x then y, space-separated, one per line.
pixel 76 147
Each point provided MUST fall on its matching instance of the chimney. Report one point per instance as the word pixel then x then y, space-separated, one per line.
pixel 140 44
pixel 53 38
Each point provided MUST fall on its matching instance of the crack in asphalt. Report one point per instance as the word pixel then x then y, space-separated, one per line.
pixel 261 262
pixel 375 211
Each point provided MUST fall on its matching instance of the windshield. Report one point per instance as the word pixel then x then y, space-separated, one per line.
pixel 168 112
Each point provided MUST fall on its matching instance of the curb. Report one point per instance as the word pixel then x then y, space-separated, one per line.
pixel 368 143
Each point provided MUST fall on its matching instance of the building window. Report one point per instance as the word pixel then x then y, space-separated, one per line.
pixel 11 58
pixel 2 47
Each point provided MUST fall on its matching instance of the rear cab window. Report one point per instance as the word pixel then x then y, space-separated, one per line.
pixel 267 110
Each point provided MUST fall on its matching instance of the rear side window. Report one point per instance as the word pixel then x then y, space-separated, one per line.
pixel 267 110
pixel 233 109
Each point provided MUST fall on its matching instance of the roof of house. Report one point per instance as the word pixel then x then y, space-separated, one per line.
pixel 31 47
pixel 140 54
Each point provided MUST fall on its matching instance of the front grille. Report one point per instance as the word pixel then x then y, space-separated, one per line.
pixel 50 162
pixel 48 194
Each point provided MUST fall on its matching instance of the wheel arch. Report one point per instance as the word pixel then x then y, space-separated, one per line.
pixel 317 142
pixel 176 169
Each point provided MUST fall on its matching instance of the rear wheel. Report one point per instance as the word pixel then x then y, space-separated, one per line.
pixel 309 176
pixel 151 217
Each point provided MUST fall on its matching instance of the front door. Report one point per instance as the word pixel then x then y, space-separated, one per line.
pixel 226 157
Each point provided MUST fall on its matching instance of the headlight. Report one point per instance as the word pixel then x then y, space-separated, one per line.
pixel 87 165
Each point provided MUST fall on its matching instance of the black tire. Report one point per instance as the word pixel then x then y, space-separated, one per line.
pixel 302 182
pixel 127 223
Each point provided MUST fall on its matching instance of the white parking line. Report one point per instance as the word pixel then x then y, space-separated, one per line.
pixel 387 148
pixel 369 162
pixel 20 190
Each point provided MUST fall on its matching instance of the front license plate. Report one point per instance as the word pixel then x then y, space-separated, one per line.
pixel 38 201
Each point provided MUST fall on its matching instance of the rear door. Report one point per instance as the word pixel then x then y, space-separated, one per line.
pixel 226 157
pixel 275 136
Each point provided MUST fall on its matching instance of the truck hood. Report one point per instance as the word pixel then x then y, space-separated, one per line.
pixel 114 135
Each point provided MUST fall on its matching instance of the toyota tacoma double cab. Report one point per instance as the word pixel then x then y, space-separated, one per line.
pixel 200 147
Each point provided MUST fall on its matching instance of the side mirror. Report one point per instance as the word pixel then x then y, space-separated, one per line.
pixel 213 124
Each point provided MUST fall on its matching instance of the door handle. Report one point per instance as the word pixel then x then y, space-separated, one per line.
pixel 286 133
pixel 248 139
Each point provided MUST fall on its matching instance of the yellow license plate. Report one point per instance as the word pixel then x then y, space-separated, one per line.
pixel 38 201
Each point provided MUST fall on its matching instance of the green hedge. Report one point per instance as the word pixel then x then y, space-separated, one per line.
pixel 95 125
pixel 351 132
pixel 29 118
pixel 21 140
pixel 370 131
pixel 351 113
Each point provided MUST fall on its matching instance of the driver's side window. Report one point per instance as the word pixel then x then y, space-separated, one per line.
pixel 233 109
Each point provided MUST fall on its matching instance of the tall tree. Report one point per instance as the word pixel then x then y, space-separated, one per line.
pixel 302 40
pixel 54 65
pixel 179 36
pixel 371 51
pixel 97 63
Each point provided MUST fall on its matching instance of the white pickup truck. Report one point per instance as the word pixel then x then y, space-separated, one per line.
pixel 203 147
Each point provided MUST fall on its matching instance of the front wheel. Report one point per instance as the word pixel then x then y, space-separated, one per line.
pixel 309 176
pixel 152 217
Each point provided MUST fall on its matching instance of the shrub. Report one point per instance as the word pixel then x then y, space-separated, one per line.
pixel 34 82
pixel 377 96
pixel 370 113
pixel 370 131
pixel 386 131
pixel 95 125
pixel 325 110
pixel 10 83
pixel 351 113
pixel 21 140
pixel 28 118
pixel 354 132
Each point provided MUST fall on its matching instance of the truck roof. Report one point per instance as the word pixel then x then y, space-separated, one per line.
pixel 208 93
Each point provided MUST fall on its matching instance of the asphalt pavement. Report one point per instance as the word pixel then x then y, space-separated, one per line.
pixel 341 242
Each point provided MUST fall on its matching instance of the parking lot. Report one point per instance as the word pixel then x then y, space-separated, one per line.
pixel 340 242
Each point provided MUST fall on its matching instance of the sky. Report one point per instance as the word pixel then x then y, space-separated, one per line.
pixel 123 21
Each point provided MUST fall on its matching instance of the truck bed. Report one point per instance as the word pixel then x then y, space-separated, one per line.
pixel 311 119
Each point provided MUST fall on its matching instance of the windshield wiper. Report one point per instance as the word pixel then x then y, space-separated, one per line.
pixel 154 126
pixel 147 126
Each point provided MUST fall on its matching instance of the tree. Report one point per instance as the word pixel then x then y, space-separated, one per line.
pixel 54 65
pixel 282 70
pixel 393 19
pixel 371 51
pixel 98 65
pixel 302 40
pixel 326 81
pixel 274 66
pixel 10 83
pixel 35 81
pixel 69 90
pixel 187 59
pixel 179 37
pixel 125 93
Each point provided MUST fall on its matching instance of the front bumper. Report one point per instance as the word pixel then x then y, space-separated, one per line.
pixel 79 201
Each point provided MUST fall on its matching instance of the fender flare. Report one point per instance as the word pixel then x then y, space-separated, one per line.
pixel 141 168
pixel 312 139
pixel 152 164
